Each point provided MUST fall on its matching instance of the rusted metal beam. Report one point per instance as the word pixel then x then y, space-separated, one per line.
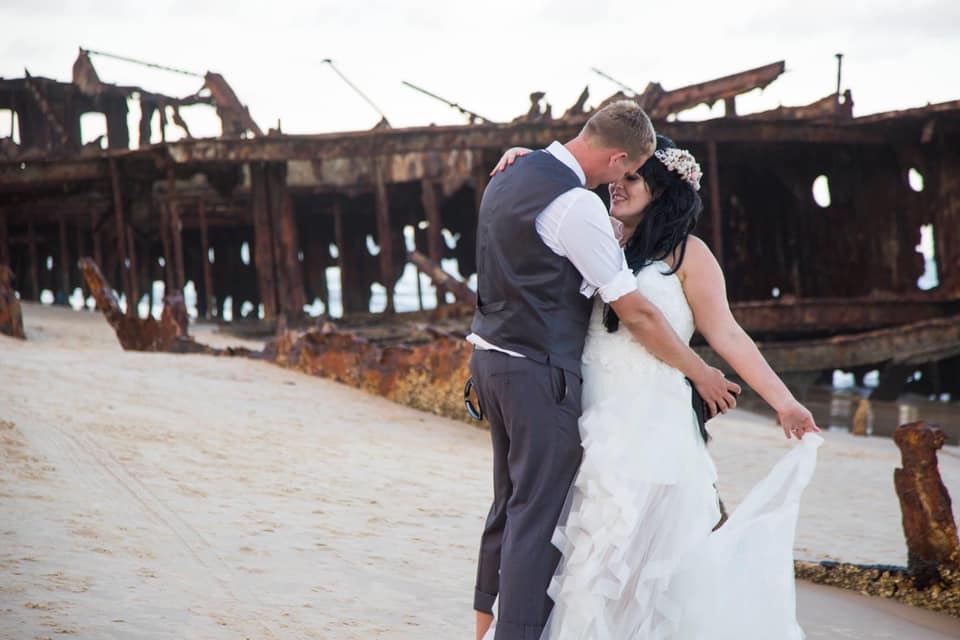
pixel 828 107
pixel 64 260
pixel 442 279
pixel 928 524
pixel 717 89
pixel 121 225
pixel 134 272
pixel 838 315
pixel 291 297
pixel 263 241
pixel 913 344
pixel 234 115
pixel 205 259
pixel 428 196
pixel 34 262
pixel 81 250
pixel 384 142
pixel 169 333
pixel 176 231
pixel 383 232
pixel 16 175
pixel 43 103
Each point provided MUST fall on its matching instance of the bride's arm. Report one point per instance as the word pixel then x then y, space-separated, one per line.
pixel 508 158
pixel 706 292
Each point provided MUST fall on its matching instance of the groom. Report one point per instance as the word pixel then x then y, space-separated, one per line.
pixel 545 246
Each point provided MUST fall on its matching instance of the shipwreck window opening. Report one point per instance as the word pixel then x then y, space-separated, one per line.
pixel 871 379
pixel 226 309
pixel 315 309
pixel 915 179
pixel 334 251
pixel 246 308
pixel 821 191
pixel 211 255
pixel 300 255
pixel 927 248
pixel 423 224
pixel 75 299
pixel 334 294
pixel 245 253
pixel 46 297
pixel 93 129
pixel 190 299
pixel 378 298
pixel 372 247
pixel 775 292
pixel 10 125
pixel 409 238
pixel 161 261
pixel 49 263
pixel 159 288
pixel 450 239
pixel 260 313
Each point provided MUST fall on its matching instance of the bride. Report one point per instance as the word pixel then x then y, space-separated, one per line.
pixel 640 556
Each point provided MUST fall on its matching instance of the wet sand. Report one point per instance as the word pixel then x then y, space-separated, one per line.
pixel 171 496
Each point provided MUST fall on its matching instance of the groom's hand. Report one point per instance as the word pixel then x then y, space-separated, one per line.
pixel 718 393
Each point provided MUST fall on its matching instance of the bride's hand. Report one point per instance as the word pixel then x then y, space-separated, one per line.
pixel 796 420
pixel 508 158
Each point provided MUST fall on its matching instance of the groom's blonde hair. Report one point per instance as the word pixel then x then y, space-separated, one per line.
pixel 622 125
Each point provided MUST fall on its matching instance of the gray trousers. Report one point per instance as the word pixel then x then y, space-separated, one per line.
pixel 533 410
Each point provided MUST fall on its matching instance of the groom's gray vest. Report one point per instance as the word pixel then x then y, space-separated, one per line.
pixel 528 297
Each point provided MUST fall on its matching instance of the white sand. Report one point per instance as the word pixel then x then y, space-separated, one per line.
pixel 168 496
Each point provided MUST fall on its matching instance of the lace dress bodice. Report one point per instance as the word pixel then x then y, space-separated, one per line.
pixel 613 360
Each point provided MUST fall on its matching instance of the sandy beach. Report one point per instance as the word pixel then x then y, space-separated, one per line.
pixel 188 496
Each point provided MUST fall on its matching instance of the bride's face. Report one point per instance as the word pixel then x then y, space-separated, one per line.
pixel 629 196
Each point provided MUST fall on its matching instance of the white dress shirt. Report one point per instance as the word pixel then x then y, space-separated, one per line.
pixel 576 226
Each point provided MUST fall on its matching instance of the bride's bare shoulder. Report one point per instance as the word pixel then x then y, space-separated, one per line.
pixel 697 253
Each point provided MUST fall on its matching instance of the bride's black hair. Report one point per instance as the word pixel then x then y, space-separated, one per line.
pixel 667 221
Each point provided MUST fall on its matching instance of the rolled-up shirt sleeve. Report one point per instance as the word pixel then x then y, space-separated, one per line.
pixel 585 236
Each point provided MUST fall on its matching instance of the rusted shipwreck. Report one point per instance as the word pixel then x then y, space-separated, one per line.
pixel 261 217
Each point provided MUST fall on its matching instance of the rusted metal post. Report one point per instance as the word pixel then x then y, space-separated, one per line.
pixel 121 236
pixel 928 524
pixel 176 231
pixel 167 252
pixel 97 243
pixel 441 278
pixel 434 241
pixel 340 238
pixel 263 241
pixel 4 241
pixel 34 266
pixel 64 260
pixel 716 217
pixel 383 232
pixel 81 249
pixel 134 272
pixel 730 107
pixel 205 248
pixel 286 244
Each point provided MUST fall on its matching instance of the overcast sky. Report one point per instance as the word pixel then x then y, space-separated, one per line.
pixel 488 55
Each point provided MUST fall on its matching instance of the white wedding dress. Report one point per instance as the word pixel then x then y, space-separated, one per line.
pixel 639 559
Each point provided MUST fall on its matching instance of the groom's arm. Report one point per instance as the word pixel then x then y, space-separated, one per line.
pixel 581 232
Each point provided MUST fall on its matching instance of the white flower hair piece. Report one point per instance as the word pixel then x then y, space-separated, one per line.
pixel 683 162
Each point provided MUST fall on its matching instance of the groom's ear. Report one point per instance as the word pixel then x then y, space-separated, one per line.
pixel 618 158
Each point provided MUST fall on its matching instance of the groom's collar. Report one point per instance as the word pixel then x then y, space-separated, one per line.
pixel 561 153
